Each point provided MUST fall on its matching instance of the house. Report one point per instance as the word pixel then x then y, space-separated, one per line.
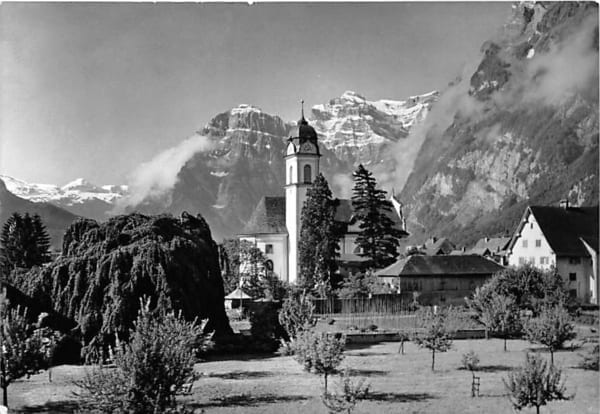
pixel 274 226
pixel 494 248
pixel 438 279
pixel 562 237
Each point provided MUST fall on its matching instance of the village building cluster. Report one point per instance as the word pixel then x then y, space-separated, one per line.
pixel 563 237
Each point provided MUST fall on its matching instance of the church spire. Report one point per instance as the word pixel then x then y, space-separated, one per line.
pixel 302 120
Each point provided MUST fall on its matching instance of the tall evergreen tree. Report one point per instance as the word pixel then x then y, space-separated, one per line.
pixel 24 242
pixel 378 238
pixel 319 238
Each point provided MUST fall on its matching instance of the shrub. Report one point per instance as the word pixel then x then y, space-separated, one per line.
pixel 535 384
pixel 27 348
pixel 470 361
pixel 265 327
pixel 552 328
pixel 348 395
pixel 319 352
pixel 156 362
pixel 296 314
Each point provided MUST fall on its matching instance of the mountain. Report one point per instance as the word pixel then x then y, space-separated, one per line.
pixel 55 218
pixel 247 159
pixel 80 197
pixel 523 129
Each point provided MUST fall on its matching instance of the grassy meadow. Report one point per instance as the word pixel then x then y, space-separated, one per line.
pixel 399 383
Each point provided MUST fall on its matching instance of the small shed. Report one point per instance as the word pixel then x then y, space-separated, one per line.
pixel 236 299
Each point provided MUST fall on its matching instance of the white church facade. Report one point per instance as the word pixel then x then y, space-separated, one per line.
pixel 274 226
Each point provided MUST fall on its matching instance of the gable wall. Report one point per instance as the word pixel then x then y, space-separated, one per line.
pixel 525 250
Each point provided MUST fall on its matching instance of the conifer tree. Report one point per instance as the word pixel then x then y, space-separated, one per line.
pixel 319 238
pixel 378 238
pixel 24 242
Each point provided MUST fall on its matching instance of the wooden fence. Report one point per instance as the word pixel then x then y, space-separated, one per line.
pixel 375 305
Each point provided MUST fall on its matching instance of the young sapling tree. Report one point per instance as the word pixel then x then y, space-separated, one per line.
pixel 319 352
pixel 551 328
pixel 535 384
pixel 434 336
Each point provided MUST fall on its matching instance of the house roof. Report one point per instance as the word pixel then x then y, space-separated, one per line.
pixel 268 217
pixel 563 227
pixel 439 246
pixel 419 265
pixel 492 244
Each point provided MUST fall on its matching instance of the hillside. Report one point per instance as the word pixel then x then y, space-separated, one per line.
pixel 523 129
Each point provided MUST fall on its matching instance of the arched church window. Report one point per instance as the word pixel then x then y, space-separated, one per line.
pixel 290 180
pixel 307 174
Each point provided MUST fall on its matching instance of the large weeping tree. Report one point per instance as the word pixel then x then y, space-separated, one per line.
pixel 319 238
pixel 24 242
pixel 378 237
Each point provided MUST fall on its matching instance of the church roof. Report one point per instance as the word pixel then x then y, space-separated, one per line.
pixel 268 217
pixel 303 132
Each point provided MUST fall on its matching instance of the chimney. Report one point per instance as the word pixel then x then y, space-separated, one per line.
pixel 564 203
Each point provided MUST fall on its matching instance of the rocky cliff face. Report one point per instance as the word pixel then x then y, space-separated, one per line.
pixel 523 129
pixel 361 131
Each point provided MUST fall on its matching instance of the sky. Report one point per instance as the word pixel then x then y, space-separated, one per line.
pixel 95 89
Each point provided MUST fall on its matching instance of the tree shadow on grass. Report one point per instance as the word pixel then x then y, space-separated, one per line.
pixel 242 375
pixel 494 368
pixel 366 372
pixel 248 400
pixel 398 397
pixel 54 407
pixel 368 354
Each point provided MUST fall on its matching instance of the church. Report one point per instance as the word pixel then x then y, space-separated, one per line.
pixel 274 226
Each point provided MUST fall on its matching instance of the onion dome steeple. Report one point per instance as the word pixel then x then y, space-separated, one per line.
pixel 303 132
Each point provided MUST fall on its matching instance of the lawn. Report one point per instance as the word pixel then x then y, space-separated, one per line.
pixel 399 383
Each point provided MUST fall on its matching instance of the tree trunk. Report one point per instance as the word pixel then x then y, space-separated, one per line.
pixel 432 359
pixel 5 395
pixel 551 357
pixel 504 343
pixel 325 383
pixel 537 409
pixel 487 336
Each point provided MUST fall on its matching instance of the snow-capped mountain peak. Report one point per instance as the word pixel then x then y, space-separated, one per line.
pixel 81 184
pixel 78 196
pixel 353 123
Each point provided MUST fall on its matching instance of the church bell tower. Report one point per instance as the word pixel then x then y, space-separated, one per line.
pixel 301 168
